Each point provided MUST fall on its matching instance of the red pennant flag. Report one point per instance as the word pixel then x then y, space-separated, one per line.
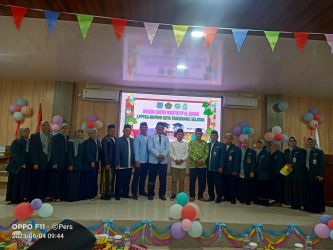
pixel 18 15
pixel 17 131
pixel 119 27
pixel 301 38
pixel 40 117
pixel 210 35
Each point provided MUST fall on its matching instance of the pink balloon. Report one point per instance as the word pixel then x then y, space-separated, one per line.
pixel 322 231
pixel 186 225
pixel 27 111
pixel 313 124
pixel 197 210
pixel 12 108
pixel 55 127
pixel 57 119
pixel 269 136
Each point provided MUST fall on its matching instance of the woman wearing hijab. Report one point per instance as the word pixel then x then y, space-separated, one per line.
pixel 295 181
pixel 74 166
pixel 59 151
pixel 92 154
pixel 18 189
pixel 263 174
pixel 40 151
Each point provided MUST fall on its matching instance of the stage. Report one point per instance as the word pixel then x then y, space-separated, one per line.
pixel 237 217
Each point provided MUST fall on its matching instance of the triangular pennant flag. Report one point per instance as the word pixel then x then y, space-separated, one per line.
pixel 210 35
pixel 301 39
pixel 151 29
pixel 239 37
pixel 272 38
pixel 51 18
pixel 119 27
pixel 329 39
pixel 18 15
pixel 84 23
pixel 179 32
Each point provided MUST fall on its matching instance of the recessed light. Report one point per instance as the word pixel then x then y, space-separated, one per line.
pixel 197 34
pixel 182 66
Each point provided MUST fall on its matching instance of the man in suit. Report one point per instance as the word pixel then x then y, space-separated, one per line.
pixel 158 147
pixel 215 161
pixel 230 169
pixel 108 165
pixel 124 161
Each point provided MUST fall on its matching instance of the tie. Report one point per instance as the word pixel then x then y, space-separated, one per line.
pixel 159 139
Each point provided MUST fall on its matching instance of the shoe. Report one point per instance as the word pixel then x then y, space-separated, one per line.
pixel 202 199
pixel 192 198
pixel 233 202
pixel 103 197
pixel 150 198
pixel 248 203
pixel 163 198
pixel 143 194
pixel 173 197
pixel 218 200
pixel 210 199
pixel 117 198
pixel 134 197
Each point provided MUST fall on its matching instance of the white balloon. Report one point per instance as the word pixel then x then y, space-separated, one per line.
pixel 196 230
pixel 277 130
pixel 175 211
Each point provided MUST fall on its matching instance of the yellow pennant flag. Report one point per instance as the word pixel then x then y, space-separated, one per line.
pixel 179 32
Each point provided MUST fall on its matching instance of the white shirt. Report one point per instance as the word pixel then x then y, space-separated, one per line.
pixel 178 151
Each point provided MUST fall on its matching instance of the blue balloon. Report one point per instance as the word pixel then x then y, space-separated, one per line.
pixel 331 234
pixel 308 117
pixel 313 111
pixel 244 124
pixel 282 106
pixel 182 198
pixel 45 211
pixel 325 218
pixel 285 138
pixel 21 102
pixel 246 131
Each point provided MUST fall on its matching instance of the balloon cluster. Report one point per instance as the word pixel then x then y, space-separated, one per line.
pixel 313 118
pixel 57 121
pixel 20 110
pixel 24 210
pixel 92 122
pixel 243 131
pixel 188 212
pixel 324 230
pixel 276 135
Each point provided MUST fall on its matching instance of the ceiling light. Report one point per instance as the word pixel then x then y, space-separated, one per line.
pixel 197 34
pixel 182 66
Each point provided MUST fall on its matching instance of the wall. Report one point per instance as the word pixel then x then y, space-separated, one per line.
pixel 34 92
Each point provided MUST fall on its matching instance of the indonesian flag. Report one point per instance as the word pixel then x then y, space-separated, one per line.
pixel 40 117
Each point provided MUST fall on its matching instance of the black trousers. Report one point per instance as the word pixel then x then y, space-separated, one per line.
pixel 56 183
pixel 245 190
pixel 200 174
pixel 154 170
pixel 123 177
pixel 139 179
pixel 230 187
pixel 214 183
pixel 279 188
pixel 315 197
pixel 264 188
pixel 295 193
pixel 39 184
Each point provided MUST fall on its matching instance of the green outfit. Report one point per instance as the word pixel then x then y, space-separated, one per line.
pixel 198 150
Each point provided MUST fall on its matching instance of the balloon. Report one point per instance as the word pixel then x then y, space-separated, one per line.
pixel 176 231
pixel 331 234
pixel 237 130
pixel 243 137
pixel 313 124
pixel 91 124
pixel 12 108
pixel 36 204
pixel 182 198
pixel 188 212
pixel 99 124
pixel 246 131
pixel 313 111
pixel 186 225
pixel 278 137
pixel 57 119
pixel 308 117
pixel 45 211
pixel 330 224
pixel 285 138
pixel 23 211
pixel 91 118
pixel 175 211
pixel 252 131
pixel 317 117
pixel 322 231
pixel 197 209
pixel 84 126
pixel 244 124
pixel 21 102
pixel 18 116
pixel 17 108
pixel 276 130
pixel 325 218
pixel 282 106
pixel 196 229
pixel 26 111
pixel 269 136
pixel 55 127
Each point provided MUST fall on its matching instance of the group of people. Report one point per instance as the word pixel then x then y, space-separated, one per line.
pixel 59 168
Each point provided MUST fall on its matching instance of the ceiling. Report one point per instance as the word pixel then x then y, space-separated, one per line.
pixel 33 53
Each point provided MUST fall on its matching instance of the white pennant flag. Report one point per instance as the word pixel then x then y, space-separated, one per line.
pixel 316 137
pixel 151 29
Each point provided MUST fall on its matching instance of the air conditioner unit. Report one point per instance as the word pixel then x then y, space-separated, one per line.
pixel 239 102
pixel 100 95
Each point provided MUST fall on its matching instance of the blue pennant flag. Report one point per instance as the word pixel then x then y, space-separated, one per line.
pixel 51 18
pixel 239 37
